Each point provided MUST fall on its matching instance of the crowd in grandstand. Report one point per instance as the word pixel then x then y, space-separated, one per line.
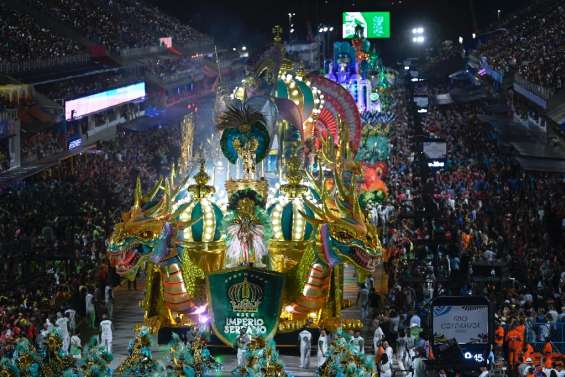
pixel 53 248
pixel 41 145
pixel 531 46
pixel 23 39
pixel 119 24
pixel 172 69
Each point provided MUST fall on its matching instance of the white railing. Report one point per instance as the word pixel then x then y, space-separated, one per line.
pixel 35 65
pixel 539 90
pixel 9 114
pixel 141 51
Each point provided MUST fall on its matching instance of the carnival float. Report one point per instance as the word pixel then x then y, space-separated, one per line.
pixel 264 249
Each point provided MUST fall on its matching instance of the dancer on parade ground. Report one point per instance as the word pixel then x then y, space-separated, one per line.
pixel 378 336
pixel 363 301
pixel 76 346
pixel 241 343
pixel 106 333
pixel 71 314
pixel 90 308
pixel 305 338
pixel 62 324
pixel 323 347
pixel 358 343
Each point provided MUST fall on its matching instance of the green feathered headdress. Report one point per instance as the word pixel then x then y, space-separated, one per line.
pixel 240 122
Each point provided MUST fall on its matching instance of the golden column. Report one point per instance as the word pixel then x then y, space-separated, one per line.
pixel 187 139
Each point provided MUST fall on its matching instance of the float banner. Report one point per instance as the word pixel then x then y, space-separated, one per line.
pixel 464 323
pixel 245 298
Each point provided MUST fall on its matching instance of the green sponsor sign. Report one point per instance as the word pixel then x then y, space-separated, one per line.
pixel 375 24
pixel 247 298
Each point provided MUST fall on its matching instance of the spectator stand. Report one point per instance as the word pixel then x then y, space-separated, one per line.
pixel 526 58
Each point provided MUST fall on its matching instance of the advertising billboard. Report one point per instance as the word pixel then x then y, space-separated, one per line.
pixel 464 323
pixel 375 24
pixel 462 330
pixel 79 107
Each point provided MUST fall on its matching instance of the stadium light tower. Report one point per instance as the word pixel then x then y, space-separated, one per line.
pixel 418 36
pixel 325 32
pixel 418 30
pixel 290 23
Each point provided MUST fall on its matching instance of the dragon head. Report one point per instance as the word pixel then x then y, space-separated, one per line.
pixel 145 229
pixel 140 234
pixel 346 235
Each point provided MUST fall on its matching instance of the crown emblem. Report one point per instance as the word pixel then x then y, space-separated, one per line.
pixel 245 297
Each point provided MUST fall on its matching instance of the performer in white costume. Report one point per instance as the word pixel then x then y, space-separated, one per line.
pixel 305 338
pixel 62 324
pixel 323 344
pixel 241 342
pixel 106 333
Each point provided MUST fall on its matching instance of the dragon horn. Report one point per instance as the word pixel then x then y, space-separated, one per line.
pixel 310 219
pixel 151 194
pixel 314 181
pixel 173 174
pixel 357 211
pixel 344 152
pixel 343 192
pixel 319 212
pixel 161 207
pixel 181 185
pixel 137 194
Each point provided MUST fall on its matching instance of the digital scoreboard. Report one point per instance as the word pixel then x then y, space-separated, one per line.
pixel 374 24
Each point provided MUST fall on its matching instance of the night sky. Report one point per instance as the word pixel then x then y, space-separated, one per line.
pixel 234 23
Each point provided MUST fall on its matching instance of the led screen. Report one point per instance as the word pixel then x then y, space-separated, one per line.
pixel 421 101
pixel 80 107
pixel 375 24
pixel 435 150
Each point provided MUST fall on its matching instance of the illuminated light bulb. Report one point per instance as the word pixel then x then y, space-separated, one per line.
pixel 292 85
pixel 289 77
pixel 316 101
pixel 296 102
pixel 309 83
pixel 295 92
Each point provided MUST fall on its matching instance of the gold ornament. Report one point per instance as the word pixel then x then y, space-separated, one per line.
pixel 201 189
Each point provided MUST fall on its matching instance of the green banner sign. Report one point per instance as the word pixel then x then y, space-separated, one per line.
pixel 244 298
